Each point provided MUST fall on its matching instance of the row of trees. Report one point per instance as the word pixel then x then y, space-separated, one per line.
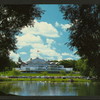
pixel 80 65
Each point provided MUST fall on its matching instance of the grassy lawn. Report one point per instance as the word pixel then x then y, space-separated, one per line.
pixel 16 73
pixel 44 79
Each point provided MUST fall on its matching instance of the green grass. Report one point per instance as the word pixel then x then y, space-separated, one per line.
pixel 5 79
pixel 17 73
pixel 51 80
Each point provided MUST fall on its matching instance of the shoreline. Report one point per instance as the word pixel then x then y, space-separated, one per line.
pixel 46 79
pixel 5 94
pixel 49 77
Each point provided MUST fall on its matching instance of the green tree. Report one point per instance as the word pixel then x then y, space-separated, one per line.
pixel 44 73
pixel 19 61
pixel 13 64
pixel 83 67
pixel 85 32
pixel 63 72
pixel 68 63
pixel 12 19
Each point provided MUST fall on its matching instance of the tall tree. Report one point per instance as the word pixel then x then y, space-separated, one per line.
pixel 12 19
pixel 68 63
pixel 85 32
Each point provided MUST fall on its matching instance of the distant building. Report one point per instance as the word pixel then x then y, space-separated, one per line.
pixel 39 65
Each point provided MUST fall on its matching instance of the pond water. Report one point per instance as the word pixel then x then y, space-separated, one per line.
pixel 33 88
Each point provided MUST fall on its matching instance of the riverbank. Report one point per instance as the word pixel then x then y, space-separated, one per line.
pixel 45 79
pixel 53 80
pixel 44 76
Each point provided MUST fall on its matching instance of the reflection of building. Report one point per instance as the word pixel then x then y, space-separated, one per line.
pixel 38 64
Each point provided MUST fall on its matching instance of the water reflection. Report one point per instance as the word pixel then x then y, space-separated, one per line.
pixel 31 88
pixel 9 87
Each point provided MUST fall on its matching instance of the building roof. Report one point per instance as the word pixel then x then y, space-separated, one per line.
pixel 37 61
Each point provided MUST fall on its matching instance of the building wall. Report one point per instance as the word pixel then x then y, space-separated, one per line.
pixel 46 68
pixel 39 64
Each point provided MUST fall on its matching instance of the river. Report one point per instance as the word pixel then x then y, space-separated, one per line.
pixel 36 88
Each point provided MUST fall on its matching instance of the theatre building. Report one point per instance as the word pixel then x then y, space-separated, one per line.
pixel 40 65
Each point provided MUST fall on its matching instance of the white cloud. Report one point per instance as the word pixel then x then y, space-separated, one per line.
pixel 57 24
pixel 74 52
pixel 69 58
pixel 45 51
pixel 32 35
pixel 50 41
pixel 63 26
pixel 78 57
pixel 70 55
pixel 64 54
pixel 41 28
pixel 14 56
pixel 67 54
pixel 27 39
pixel 22 53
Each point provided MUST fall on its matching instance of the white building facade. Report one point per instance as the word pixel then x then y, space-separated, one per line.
pixel 38 64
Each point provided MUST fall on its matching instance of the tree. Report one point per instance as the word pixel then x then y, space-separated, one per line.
pixel 68 63
pixel 12 19
pixel 20 60
pixel 85 32
pixel 83 67
pixel 63 72
pixel 12 65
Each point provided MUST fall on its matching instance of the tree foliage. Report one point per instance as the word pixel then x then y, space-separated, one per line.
pixel 68 63
pixel 83 67
pixel 63 72
pixel 85 32
pixel 12 19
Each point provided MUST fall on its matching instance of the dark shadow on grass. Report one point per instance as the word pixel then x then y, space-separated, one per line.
pixel 4 94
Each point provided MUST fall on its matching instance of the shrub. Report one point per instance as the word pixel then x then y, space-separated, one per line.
pixel 62 72
pixel 44 73
pixel 4 79
pixel 14 72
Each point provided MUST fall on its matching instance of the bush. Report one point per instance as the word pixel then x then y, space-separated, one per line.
pixel 44 73
pixel 14 72
pixel 62 72
pixel 71 73
pixel 4 79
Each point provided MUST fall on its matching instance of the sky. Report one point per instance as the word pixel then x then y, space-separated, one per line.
pixel 46 39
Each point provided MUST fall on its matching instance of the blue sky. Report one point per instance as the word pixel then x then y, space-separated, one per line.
pixel 48 36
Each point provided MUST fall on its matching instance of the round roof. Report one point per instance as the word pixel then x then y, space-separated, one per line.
pixel 37 60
